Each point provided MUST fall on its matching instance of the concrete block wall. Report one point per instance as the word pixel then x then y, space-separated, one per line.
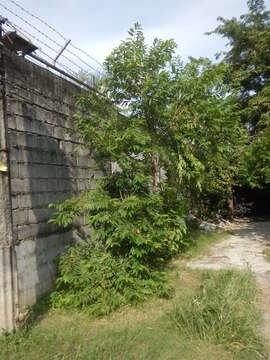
pixel 45 164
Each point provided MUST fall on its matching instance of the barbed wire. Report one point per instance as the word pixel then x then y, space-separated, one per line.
pixel 39 50
pixel 23 32
pixel 50 39
pixel 62 65
pixel 29 24
pixel 55 31
pixel 85 53
pixel 37 18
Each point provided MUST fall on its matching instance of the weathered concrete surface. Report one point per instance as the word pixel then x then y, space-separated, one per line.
pixel 245 247
pixel 45 164
pixel 7 290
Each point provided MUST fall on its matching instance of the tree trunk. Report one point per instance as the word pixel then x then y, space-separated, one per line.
pixel 230 201
pixel 156 172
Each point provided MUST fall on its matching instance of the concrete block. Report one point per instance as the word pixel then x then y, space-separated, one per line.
pixel 59 132
pixel 66 146
pixel 24 170
pixel 26 200
pixel 23 124
pixel 29 140
pixel 53 185
pixel 12 139
pixel 12 124
pixel 20 217
pixel 28 231
pixel 14 169
pixel 39 215
pixel 38 185
pixel 13 154
pixel 15 201
pixel 7 301
pixel 83 161
pixel 20 186
pixel 24 155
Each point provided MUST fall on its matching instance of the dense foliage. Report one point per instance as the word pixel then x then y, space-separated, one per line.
pixel 94 280
pixel 249 71
pixel 170 139
pixel 180 128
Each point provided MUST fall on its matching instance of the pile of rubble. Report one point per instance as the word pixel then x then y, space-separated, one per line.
pixel 219 224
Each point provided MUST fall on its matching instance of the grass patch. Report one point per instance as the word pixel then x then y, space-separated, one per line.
pixel 267 254
pixel 151 329
pixel 200 242
pixel 144 332
pixel 62 338
pixel 224 312
pixel 213 316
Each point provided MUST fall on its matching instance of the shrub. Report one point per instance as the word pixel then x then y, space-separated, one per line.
pixel 137 227
pixel 92 279
pixel 132 239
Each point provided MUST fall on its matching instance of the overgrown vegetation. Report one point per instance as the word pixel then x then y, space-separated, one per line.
pixel 168 141
pixel 133 238
pixel 94 280
pixel 249 71
pixel 224 312
pixel 150 331
pixel 171 139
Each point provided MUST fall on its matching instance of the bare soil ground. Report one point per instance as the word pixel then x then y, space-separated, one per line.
pixel 245 247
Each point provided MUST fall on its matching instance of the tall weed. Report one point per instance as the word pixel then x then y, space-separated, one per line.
pixel 224 312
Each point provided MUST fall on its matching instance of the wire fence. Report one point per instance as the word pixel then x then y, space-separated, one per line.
pixel 50 42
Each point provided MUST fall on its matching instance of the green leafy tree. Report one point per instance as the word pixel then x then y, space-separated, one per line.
pixel 207 135
pixel 137 223
pixel 189 113
pixel 249 64
pixel 165 136
pixel 173 131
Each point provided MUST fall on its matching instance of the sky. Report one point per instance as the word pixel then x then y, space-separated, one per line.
pixel 98 26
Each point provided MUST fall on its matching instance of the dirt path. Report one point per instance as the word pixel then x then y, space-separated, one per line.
pixel 243 248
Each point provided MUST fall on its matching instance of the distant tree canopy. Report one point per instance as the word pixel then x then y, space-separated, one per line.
pixel 249 69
